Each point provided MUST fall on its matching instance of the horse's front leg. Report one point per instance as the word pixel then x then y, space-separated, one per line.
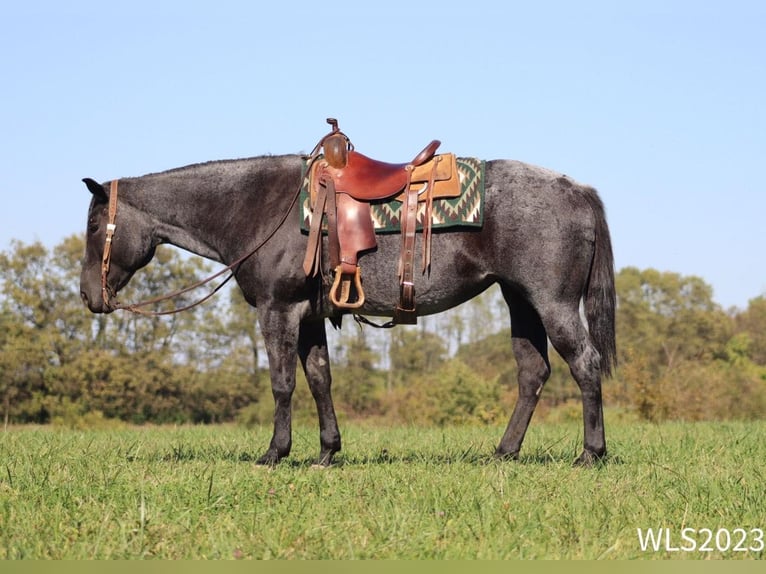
pixel 312 350
pixel 280 334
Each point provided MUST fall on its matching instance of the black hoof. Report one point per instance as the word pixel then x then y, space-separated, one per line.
pixel 589 459
pixel 325 458
pixel 510 456
pixel 271 458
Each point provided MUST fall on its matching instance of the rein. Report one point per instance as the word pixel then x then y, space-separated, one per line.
pixel 106 292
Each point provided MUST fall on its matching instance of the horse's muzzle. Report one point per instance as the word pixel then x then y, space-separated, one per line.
pixel 96 304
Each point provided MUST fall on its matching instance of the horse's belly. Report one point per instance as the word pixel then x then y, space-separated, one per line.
pixel 449 281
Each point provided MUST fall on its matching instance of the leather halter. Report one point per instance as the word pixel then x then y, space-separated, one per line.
pixel 107 255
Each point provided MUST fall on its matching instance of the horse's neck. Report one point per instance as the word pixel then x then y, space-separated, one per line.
pixel 205 209
pixel 178 210
pixel 189 240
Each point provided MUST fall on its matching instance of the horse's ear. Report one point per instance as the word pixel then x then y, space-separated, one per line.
pixel 96 188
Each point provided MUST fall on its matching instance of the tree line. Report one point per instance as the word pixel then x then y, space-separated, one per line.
pixel 681 356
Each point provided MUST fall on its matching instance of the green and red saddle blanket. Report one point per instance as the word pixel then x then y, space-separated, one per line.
pixel 467 210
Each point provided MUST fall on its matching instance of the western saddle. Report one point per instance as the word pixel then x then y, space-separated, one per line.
pixel 343 184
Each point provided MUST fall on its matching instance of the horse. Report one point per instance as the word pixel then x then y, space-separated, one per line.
pixel 544 240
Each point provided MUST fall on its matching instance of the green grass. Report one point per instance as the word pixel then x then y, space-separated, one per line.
pixel 195 492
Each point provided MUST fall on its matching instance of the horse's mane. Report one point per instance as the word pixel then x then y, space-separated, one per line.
pixel 222 162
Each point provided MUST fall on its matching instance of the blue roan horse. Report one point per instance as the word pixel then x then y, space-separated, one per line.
pixel 545 240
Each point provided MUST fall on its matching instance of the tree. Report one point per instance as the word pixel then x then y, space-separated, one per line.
pixel 414 352
pixel 357 383
pixel 491 358
pixel 682 355
pixel 752 322
pixel 451 394
pixel 58 360
pixel 668 317
pixel 22 370
pixel 41 327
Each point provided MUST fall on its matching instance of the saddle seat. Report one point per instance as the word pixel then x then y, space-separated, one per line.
pixel 367 179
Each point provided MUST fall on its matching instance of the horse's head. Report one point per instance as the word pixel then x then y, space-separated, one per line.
pixel 106 270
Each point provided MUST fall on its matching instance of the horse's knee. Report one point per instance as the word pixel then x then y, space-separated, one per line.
pixel 320 386
pixel 282 395
pixel 532 377
pixel 534 371
pixel 533 366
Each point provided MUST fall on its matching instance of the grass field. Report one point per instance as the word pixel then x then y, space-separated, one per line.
pixel 195 492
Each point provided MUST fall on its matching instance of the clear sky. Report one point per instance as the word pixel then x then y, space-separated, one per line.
pixel 660 105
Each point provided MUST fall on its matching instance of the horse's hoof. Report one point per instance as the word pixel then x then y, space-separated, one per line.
pixel 324 460
pixel 506 456
pixel 589 459
pixel 271 458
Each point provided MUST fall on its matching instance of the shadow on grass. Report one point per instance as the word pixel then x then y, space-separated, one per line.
pixel 471 456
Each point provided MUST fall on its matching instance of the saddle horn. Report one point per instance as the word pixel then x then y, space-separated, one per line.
pixel 335 146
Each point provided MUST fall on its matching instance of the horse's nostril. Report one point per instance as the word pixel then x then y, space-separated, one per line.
pixel 84 297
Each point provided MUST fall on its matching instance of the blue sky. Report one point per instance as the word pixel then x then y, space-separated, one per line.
pixel 660 105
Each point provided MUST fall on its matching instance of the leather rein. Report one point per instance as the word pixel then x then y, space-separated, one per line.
pixel 107 293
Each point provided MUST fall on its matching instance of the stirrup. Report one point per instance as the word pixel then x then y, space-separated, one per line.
pixel 342 283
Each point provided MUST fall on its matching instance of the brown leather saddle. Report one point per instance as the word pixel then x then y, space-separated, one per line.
pixel 343 183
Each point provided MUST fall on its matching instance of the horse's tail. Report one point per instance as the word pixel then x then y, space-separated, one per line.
pixel 600 294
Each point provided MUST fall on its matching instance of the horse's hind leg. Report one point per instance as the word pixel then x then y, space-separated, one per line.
pixel 312 350
pixel 572 341
pixel 530 347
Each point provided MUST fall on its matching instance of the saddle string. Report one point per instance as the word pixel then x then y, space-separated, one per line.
pixel 361 320
pixel 136 307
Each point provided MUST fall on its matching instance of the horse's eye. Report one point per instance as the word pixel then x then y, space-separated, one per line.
pixel 92 226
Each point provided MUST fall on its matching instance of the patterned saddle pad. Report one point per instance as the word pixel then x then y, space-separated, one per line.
pixel 467 210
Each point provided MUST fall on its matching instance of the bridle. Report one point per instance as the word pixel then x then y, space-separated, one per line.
pixel 107 293
pixel 107 255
